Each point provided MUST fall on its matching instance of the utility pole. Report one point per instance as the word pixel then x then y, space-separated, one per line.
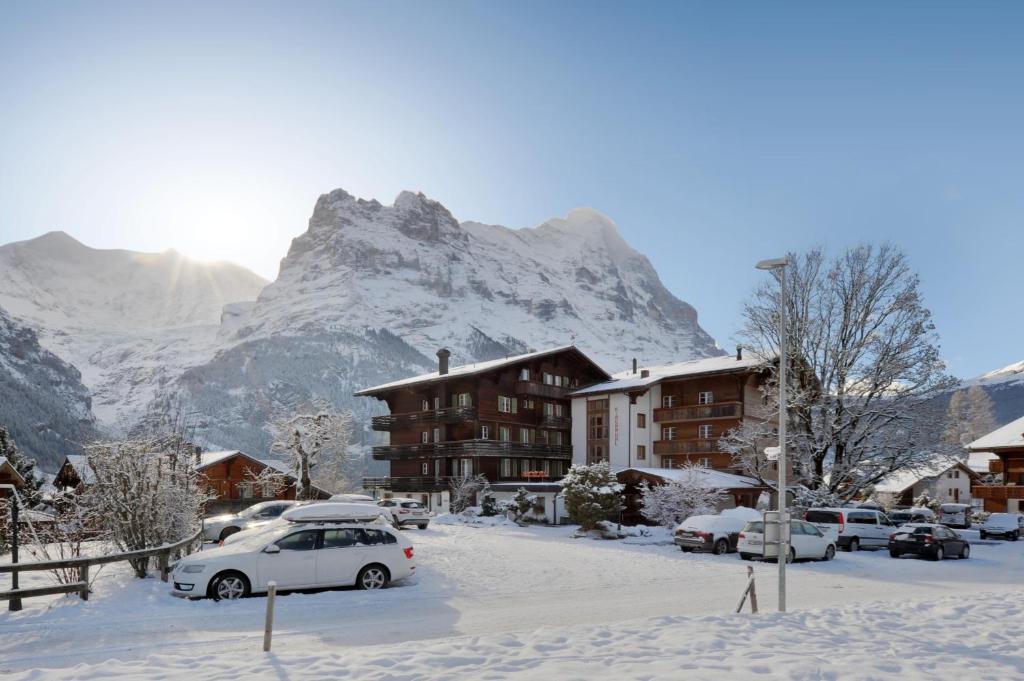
pixel 15 603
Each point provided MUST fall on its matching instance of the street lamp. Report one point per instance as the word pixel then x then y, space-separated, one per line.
pixel 780 264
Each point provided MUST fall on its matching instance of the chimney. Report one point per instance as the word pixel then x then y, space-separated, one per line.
pixel 739 352
pixel 645 373
pixel 634 365
pixel 442 361
pixel 199 455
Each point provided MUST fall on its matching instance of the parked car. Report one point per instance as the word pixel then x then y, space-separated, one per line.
pixel 805 541
pixel 852 528
pixel 1006 525
pixel 912 515
pixel 407 511
pixel 303 553
pixel 220 527
pixel 714 533
pixel 955 515
pixel 931 540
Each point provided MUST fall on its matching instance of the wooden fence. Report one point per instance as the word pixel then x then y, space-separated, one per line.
pixel 81 587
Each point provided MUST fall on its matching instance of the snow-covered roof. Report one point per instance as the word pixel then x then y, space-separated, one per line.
pixel 82 468
pixel 5 463
pixel 978 461
pixel 207 459
pixel 628 380
pixel 1010 436
pixel 712 479
pixel 472 369
pixel 901 481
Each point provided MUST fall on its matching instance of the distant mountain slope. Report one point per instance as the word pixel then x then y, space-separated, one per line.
pixel 42 400
pixel 1006 388
pixel 131 322
pixel 369 292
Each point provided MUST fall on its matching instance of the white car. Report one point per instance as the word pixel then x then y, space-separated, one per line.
pixel 956 515
pixel 852 528
pixel 407 511
pixel 367 500
pixel 220 527
pixel 805 541
pixel 715 533
pixel 302 554
pixel 1006 525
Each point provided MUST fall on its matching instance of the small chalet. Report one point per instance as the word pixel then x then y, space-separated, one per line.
pixel 945 480
pixel 1007 443
pixel 235 477
pixel 739 490
pixel 9 475
pixel 73 473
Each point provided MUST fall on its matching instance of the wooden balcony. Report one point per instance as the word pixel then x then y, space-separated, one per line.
pixel 701 412
pixel 663 447
pixel 393 422
pixel 410 484
pixel 538 389
pixel 556 422
pixel 998 492
pixel 471 448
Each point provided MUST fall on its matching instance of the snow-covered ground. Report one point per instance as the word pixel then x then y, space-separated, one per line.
pixel 501 602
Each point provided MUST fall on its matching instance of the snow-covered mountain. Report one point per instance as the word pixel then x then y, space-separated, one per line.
pixel 42 400
pixel 130 322
pixel 369 292
pixel 1006 388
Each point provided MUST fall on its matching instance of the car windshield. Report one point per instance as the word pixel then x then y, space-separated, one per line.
pixel 412 504
pixel 754 527
pixel 822 517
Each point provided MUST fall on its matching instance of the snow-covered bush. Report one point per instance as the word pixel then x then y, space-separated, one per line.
pixel 925 501
pixel 678 499
pixel 592 494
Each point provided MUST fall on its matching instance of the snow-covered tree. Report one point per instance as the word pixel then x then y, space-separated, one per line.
pixel 25 466
pixel 144 493
pixel 820 497
pixel 463 488
pixel 746 444
pixel 592 494
pixel 315 445
pixel 926 501
pixel 969 416
pixel 866 367
pixel 678 499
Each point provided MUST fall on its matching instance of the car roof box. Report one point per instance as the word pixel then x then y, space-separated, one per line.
pixel 332 512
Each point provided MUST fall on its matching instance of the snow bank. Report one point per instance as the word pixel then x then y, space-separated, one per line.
pixel 471 516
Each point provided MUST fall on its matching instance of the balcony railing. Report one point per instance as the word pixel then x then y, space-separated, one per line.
pixel 447 415
pixel 538 389
pixel 468 448
pixel 701 412
pixel 409 484
pixel 685 446
pixel 998 492
pixel 556 422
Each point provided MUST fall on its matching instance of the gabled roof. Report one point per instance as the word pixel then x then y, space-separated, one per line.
pixel 81 466
pixel 900 481
pixel 207 459
pixel 7 465
pixel 712 479
pixel 1010 436
pixel 476 368
pixel 627 380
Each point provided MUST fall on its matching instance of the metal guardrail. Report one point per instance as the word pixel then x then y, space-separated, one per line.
pixel 163 554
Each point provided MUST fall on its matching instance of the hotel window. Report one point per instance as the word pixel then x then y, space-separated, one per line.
pixel 706 463
pixel 437 434
pixel 438 468
pixel 668 433
pixel 546 467
pixel 524 374
pixel 466 466
pixel 548 409
pixel 704 431
pixel 559 410
pixel 437 403
pixel 641 420
pixel 506 468
pixel 426 405
pixel 668 400
pixel 425 436
pixel 507 405
pixel 464 400
pixel 558 438
pixel 548 379
pixel 527 404
pixel 425 468
pixel 524 435
pixel 485 433
pixel 641 452
pixel 706 397
pixel 598 427
pixel 504 433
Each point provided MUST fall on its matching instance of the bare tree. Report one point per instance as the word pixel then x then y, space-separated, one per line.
pixel 678 499
pixel 463 488
pixel 316 444
pixel 862 403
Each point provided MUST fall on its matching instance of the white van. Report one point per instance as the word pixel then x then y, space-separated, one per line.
pixel 955 515
pixel 852 527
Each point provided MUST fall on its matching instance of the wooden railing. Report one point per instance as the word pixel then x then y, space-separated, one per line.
pixel 81 587
pixel 556 422
pixel 998 492
pixel 538 389
pixel 467 448
pixel 699 412
pixel 447 415
pixel 685 446
pixel 409 484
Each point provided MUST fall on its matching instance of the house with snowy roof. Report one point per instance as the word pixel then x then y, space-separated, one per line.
pixel 9 475
pixel 737 490
pixel 945 480
pixel 240 480
pixel 1007 443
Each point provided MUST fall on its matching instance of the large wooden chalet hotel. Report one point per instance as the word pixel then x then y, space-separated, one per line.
pixel 521 421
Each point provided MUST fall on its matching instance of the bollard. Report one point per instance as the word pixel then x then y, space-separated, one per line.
pixel 268 626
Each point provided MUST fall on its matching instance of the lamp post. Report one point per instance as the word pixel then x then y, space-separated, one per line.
pixel 779 264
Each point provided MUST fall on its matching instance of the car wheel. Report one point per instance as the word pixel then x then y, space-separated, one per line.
pixel 791 556
pixel 830 552
pixel 228 531
pixel 966 552
pixel 721 546
pixel 373 577
pixel 854 545
pixel 685 549
pixel 939 553
pixel 1013 537
pixel 423 526
pixel 894 554
pixel 229 586
pixel 746 556
pixel 982 535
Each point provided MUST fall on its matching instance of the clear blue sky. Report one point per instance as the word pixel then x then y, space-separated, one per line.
pixel 715 134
